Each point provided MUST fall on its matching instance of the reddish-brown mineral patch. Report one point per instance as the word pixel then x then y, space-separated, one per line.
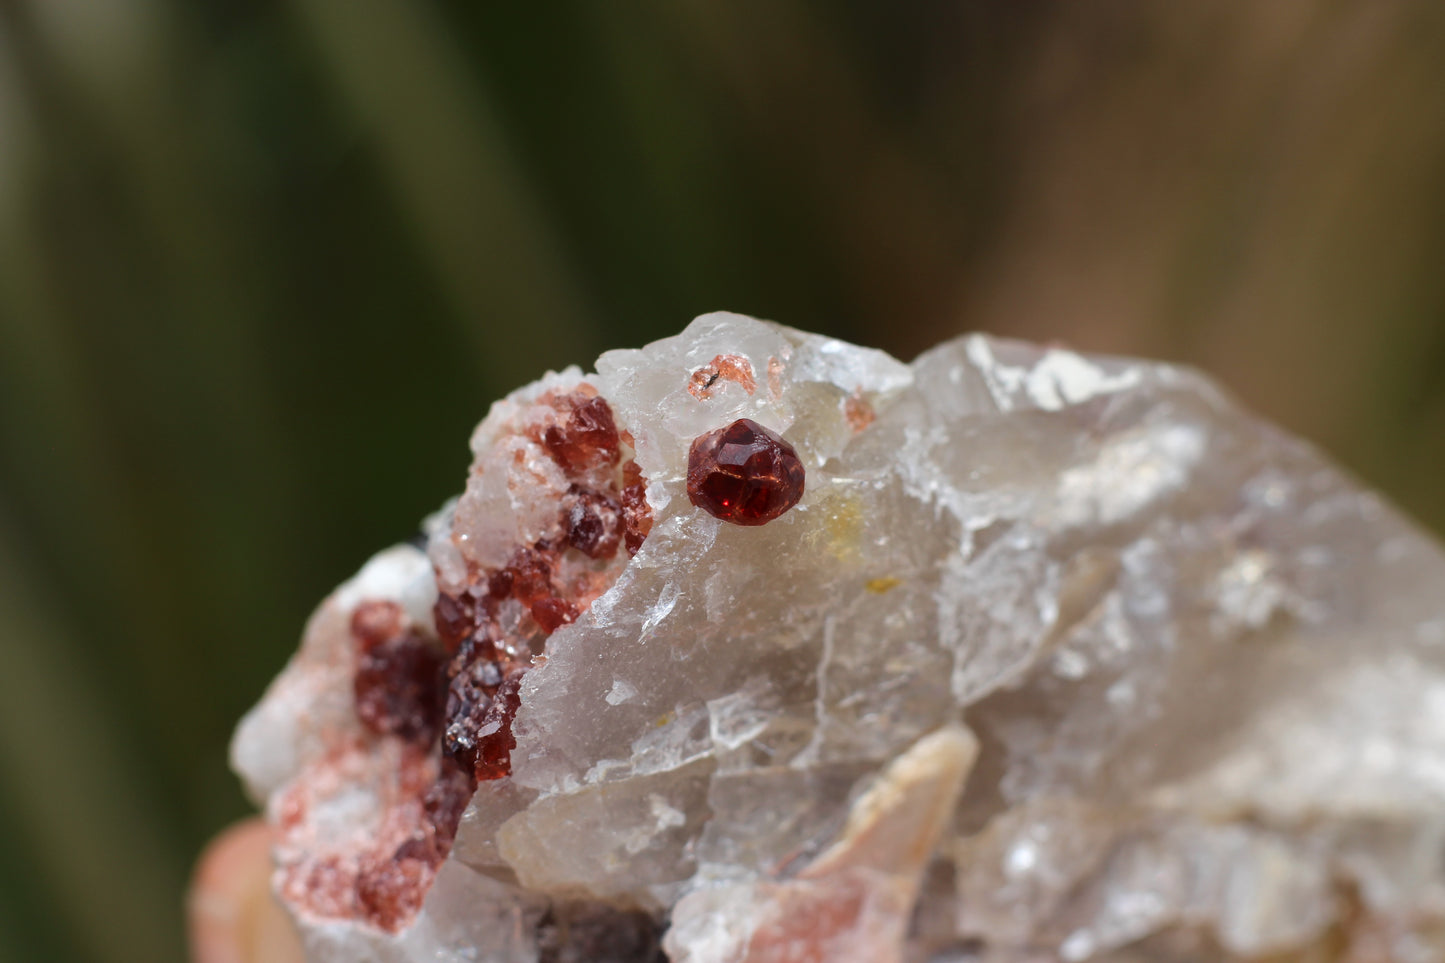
pixel 636 513
pixel 397 684
pixel 436 702
pixel 585 437
pixel 858 411
pixel 498 624
pixel 594 522
pixel 382 871
pixel 725 367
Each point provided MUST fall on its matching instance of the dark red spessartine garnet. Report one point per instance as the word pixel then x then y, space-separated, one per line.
pixel 455 696
pixel 586 439
pixel 744 474
pixel 398 681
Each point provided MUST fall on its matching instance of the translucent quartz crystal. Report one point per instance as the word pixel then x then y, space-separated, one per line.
pixel 1057 658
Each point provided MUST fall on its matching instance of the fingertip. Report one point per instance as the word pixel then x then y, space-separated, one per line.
pixel 233 916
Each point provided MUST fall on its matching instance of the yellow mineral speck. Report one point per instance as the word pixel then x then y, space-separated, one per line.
pixel 841 528
pixel 880 585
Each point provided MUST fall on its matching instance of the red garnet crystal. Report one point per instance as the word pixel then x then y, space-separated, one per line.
pixel 744 474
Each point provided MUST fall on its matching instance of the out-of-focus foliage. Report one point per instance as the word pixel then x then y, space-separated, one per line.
pixel 262 265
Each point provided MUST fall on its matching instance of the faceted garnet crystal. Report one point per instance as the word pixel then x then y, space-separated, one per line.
pixel 744 474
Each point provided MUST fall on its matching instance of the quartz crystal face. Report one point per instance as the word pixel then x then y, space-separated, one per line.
pixel 1053 657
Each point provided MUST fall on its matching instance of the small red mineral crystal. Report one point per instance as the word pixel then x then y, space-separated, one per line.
pixel 744 474
pixel 725 367
pixel 636 513
pixel 398 681
pixel 445 801
pixel 594 522
pixel 587 438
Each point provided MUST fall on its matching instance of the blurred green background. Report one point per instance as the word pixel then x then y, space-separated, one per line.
pixel 264 264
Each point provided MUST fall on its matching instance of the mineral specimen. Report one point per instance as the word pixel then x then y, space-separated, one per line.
pixel 1052 658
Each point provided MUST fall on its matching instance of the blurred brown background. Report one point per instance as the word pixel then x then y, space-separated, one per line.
pixel 263 265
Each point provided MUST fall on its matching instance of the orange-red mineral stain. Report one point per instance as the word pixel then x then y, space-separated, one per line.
pixel 744 474
pixel 383 881
pixel 813 923
pixel 725 367
pixel 376 622
pixel 390 889
pixel 858 411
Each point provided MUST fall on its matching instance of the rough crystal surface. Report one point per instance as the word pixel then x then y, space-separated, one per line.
pixel 1057 658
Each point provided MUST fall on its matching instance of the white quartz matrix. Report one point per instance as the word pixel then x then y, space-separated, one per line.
pixel 1058 658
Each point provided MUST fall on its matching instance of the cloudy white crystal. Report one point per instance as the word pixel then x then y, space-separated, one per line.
pixel 1202 669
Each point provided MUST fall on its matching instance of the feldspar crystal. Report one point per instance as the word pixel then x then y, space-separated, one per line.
pixel 1055 658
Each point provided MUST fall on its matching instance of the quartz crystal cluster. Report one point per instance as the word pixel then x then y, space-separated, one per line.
pixel 755 646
